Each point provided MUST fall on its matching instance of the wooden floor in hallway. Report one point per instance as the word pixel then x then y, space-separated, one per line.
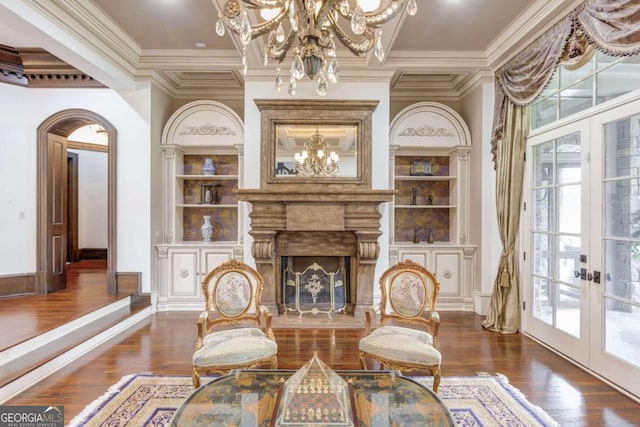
pixel 163 344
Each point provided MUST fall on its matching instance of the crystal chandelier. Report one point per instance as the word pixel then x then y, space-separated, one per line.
pixel 308 28
pixel 314 160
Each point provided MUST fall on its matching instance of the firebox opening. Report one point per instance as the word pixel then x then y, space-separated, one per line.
pixel 316 284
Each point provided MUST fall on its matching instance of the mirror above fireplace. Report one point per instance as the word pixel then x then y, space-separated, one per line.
pixel 315 144
pixel 314 151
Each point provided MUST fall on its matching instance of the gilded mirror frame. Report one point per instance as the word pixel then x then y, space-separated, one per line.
pixel 309 113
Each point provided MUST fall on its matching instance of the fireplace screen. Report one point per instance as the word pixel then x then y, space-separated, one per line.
pixel 315 284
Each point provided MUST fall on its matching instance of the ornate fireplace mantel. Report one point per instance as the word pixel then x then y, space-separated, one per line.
pixel 297 222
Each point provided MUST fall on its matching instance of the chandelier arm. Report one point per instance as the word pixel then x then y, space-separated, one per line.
pixel 376 18
pixel 230 15
pixel 279 53
pixel 324 11
pixel 266 27
pixel 369 39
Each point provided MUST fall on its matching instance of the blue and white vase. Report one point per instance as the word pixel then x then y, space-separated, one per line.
pixel 207 228
pixel 208 168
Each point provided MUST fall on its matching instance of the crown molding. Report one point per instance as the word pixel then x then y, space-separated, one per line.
pixel 476 79
pixel 437 61
pixel 77 32
pixel 534 21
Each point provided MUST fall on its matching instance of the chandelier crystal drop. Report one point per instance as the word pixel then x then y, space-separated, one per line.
pixel 314 160
pixel 305 30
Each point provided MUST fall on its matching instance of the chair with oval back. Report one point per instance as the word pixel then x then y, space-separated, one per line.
pixel 407 339
pixel 234 331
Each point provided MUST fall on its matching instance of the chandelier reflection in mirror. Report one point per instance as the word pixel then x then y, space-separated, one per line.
pixel 314 160
pixel 309 28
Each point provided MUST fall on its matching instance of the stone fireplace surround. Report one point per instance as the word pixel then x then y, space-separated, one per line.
pixel 316 216
pixel 297 222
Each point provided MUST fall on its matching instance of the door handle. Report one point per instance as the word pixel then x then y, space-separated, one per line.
pixel 576 273
pixel 590 276
pixel 583 274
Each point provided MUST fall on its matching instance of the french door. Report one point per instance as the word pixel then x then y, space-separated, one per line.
pixel 581 243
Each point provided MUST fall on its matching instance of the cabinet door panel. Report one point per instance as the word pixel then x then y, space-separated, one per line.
pixel 447 269
pixel 185 281
pixel 421 257
pixel 212 259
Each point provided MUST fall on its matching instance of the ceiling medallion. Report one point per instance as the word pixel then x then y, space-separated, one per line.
pixel 309 28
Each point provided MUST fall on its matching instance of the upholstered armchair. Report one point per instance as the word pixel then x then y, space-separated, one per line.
pixel 407 339
pixel 234 331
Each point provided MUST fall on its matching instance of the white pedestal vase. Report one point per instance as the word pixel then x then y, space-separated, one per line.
pixel 207 228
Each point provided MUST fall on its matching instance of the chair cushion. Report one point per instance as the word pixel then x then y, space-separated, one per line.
pixel 234 347
pixel 402 345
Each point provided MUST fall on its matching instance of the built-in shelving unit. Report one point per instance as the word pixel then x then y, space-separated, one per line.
pixel 428 161
pixel 198 131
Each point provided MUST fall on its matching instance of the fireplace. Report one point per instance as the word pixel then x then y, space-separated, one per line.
pixel 296 215
pixel 315 284
pixel 294 223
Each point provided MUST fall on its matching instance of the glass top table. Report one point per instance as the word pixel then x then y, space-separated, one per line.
pixel 249 398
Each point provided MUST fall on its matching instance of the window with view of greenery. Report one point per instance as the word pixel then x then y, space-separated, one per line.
pixel 603 78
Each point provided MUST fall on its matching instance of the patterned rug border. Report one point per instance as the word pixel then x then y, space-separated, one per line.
pixel 447 392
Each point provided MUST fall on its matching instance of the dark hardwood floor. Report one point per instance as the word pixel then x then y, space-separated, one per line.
pixel 163 344
pixel 25 316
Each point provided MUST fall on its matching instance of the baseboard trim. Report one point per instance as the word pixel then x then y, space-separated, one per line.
pixel 17 284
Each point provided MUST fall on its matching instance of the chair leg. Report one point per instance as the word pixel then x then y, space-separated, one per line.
pixel 363 361
pixel 196 378
pixel 436 378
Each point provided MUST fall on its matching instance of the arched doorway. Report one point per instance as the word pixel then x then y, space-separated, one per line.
pixel 51 238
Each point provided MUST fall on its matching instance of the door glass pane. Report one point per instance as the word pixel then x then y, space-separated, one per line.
pixel 622 142
pixel 568 159
pixel 543 209
pixel 568 313
pixel 622 201
pixel 543 301
pixel 621 330
pixel 569 209
pixel 543 164
pixel 542 259
pixel 568 259
pixel 622 261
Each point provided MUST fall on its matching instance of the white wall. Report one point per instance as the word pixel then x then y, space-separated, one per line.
pixel 378 91
pixel 477 111
pixel 17 184
pixel 92 199
pixel 19 120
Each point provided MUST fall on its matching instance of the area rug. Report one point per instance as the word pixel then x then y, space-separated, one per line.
pixel 150 400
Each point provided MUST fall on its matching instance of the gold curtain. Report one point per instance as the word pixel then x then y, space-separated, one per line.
pixel 504 307
pixel 611 26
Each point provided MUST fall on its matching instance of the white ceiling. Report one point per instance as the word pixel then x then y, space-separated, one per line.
pixel 441 51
